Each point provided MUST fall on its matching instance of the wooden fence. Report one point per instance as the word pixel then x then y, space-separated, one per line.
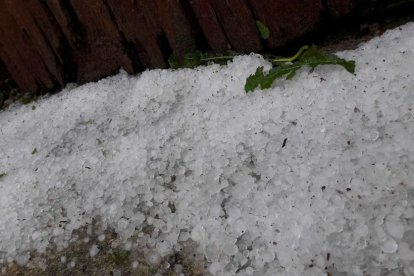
pixel 45 44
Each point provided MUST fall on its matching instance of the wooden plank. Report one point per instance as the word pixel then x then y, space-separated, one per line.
pixel 287 19
pixel 24 63
pixel 239 24
pixel 210 25
pixel 42 32
pixel 339 8
pixel 47 43
pixel 139 33
pixel 61 13
pixel 175 23
pixel 100 52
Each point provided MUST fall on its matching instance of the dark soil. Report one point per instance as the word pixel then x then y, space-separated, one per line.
pixel 112 260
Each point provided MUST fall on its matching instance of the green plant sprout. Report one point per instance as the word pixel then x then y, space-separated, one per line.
pixel 293 58
pixel 281 66
pixel 217 58
pixel 263 30
pixel 306 56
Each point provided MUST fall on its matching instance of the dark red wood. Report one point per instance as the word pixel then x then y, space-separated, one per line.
pixel 64 20
pixel 176 25
pixel 46 43
pixel 19 54
pixel 101 52
pixel 42 31
pixel 287 19
pixel 210 25
pixel 338 8
pixel 139 32
pixel 239 24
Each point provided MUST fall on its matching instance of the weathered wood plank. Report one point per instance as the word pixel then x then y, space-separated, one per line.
pixel 210 25
pixel 46 43
pixel 100 51
pixel 176 25
pixel 21 58
pixel 287 19
pixel 228 24
pixel 42 32
pixel 239 25
pixel 139 33
pixel 61 12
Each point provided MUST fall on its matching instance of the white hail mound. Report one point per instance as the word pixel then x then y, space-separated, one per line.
pixel 313 175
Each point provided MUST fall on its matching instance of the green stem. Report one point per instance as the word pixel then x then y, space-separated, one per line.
pixel 291 59
pixel 216 58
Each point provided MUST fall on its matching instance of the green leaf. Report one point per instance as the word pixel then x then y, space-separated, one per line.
pixel 258 79
pixel 264 81
pixel 27 99
pixel 311 58
pixel 34 151
pixel 173 62
pixel 88 122
pixel 2 175
pixel 193 59
pixel 263 30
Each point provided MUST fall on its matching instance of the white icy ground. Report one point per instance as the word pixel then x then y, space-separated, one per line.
pixel 126 149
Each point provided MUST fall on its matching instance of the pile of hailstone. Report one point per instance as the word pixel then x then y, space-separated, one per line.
pixel 314 175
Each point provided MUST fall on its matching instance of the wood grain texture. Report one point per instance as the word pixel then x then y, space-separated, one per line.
pixel 239 24
pixel 139 33
pixel 45 44
pixel 287 19
pixel 339 8
pixel 18 51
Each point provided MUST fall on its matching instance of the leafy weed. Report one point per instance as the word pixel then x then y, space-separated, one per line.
pixel 288 67
pixel 263 30
pixel 281 66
